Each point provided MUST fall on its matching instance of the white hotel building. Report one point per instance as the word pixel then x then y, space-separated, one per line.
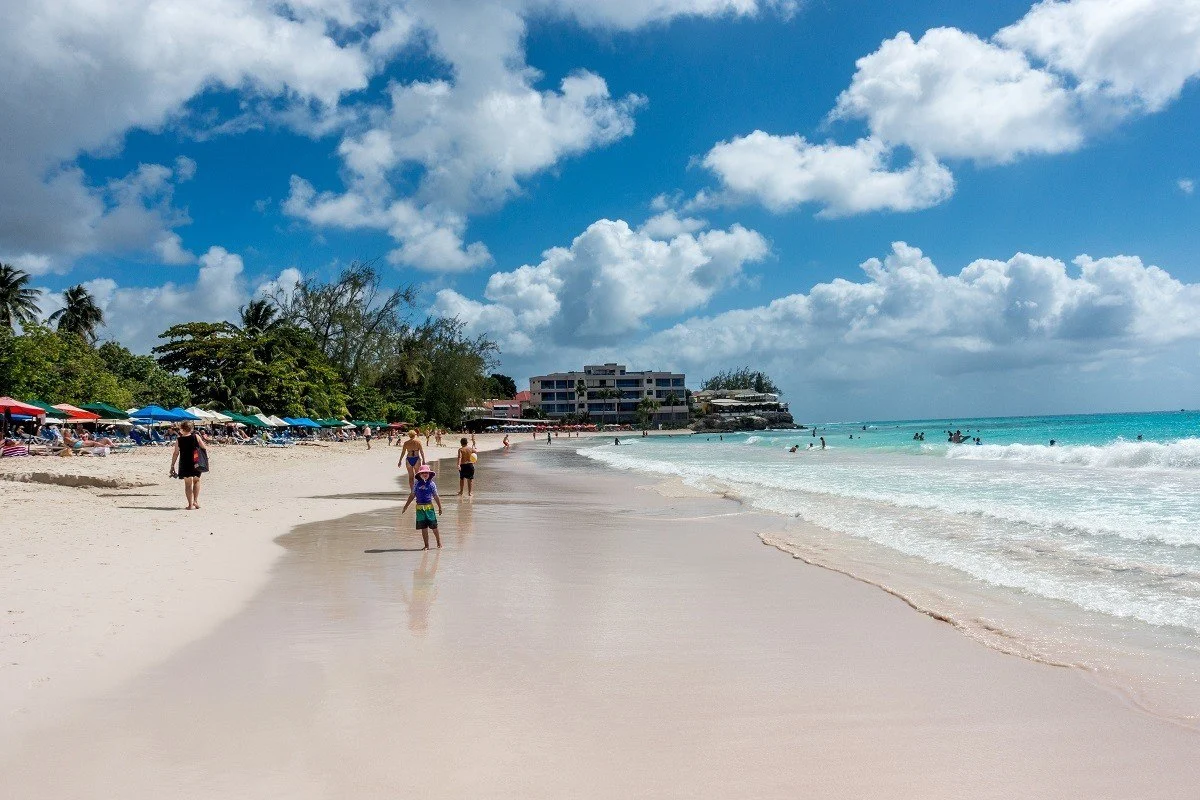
pixel 610 393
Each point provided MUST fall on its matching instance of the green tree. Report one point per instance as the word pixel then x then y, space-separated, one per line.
pixel 742 378
pixel 79 315
pixel 260 317
pixel 58 368
pixel 281 370
pixel 501 386
pixel 458 368
pixel 144 378
pixel 354 321
pixel 18 303
pixel 645 411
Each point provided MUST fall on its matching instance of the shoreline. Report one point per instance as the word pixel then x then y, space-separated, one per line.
pixel 1156 670
pixel 560 644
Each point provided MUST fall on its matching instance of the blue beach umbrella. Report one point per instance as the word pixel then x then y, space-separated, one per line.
pixel 153 413
pixel 182 415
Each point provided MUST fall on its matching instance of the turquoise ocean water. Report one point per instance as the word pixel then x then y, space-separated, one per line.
pixel 1086 552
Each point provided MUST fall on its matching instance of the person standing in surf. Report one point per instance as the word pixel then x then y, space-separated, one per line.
pixel 466 466
pixel 411 456
pixel 424 491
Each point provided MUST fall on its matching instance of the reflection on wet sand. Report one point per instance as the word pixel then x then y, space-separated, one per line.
pixel 424 591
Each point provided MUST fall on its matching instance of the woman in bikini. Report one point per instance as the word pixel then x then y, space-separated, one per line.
pixel 411 456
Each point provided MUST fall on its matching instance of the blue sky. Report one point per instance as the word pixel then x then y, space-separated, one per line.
pixel 710 173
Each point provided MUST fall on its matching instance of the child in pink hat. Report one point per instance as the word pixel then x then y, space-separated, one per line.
pixel 424 492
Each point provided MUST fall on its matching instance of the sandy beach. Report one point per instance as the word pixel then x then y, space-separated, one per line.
pixel 581 634
pixel 105 577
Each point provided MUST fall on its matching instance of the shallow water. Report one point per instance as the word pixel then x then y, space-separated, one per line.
pixel 1087 553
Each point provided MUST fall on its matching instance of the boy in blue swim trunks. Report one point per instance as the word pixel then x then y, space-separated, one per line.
pixel 425 493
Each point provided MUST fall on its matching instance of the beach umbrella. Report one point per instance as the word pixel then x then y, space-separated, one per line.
pixel 277 422
pixel 48 410
pixel 184 415
pixel 17 407
pixel 154 413
pixel 77 413
pixel 105 410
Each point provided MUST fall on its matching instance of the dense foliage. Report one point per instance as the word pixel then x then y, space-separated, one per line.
pixel 43 364
pixel 742 378
pixel 346 348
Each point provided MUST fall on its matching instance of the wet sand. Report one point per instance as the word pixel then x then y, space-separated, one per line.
pixel 580 637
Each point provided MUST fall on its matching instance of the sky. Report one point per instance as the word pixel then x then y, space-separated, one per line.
pixel 898 209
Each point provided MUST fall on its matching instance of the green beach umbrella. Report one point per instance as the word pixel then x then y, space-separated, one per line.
pixel 105 410
pixel 50 410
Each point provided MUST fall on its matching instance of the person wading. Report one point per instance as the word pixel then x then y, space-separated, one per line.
pixel 191 456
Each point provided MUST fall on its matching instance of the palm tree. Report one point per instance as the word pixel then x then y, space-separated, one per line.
pixel 79 315
pixel 260 317
pixel 17 302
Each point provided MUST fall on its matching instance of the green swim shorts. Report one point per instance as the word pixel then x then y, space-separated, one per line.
pixel 426 517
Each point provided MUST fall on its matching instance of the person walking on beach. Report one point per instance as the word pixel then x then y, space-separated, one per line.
pixel 505 442
pixel 424 491
pixel 367 434
pixel 411 455
pixel 547 437
pixel 822 442
pixel 187 455
pixel 466 466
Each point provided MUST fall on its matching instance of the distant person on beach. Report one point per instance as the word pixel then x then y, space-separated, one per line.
pixel 186 454
pixel 368 434
pixel 1052 443
pixel 794 448
pixel 412 455
pixel 547 437
pixel 505 442
pixel 616 440
pixel 424 491
pixel 466 466
pixel 391 436
pixel 822 442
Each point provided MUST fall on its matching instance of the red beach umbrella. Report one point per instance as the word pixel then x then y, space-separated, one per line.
pixel 77 413
pixel 17 407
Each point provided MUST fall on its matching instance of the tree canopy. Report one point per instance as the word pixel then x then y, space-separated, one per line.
pixel 742 378
pixel 350 347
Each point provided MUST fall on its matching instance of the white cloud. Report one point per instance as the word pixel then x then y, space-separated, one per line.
pixel 1133 51
pixel 1186 185
pixel 135 316
pixel 429 238
pixel 95 69
pixel 634 13
pixel 954 95
pixel 607 286
pixel 64 218
pixel 782 172
pixel 470 140
pixel 1044 85
pixel 993 316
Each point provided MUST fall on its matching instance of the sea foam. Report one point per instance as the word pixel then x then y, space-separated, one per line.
pixel 1180 454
